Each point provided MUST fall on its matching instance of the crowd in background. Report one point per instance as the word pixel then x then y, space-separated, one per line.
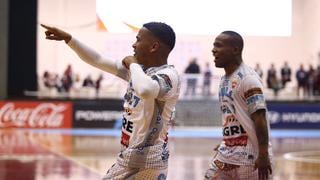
pixel 304 82
pixel 69 80
pixel 192 73
pixel 307 81
pixel 198 81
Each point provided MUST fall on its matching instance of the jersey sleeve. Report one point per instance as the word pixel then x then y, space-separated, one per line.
pixel 168 82
pixel 251 91
pixel 143 84
pixel 93 58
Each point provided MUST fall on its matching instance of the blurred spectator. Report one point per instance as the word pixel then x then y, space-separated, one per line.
pixel 98 84
pixel 58 82
pixel 271 76
pixel 272 80
pixel 311 77
pixel 285 74
pixel 192 69
pixel 51 80
pixel 77 82
pixel 301 76
pixel 317 82
pixel 47 80
pixel 207 81
pixel 67 79
pixel 259 70
pixel 88 82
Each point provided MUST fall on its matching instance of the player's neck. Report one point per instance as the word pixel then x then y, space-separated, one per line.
pixel 231 68
pixel 156 62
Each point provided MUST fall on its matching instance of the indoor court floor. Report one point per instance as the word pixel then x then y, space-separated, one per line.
pixel 87 154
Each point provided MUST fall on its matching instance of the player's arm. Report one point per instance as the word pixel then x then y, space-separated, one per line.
pixel 85 53
pixel 263 161
pixel 253 95
pixel 143 84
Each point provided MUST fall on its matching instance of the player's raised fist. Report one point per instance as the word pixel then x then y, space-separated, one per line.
pixel 128 60
pixel 53 33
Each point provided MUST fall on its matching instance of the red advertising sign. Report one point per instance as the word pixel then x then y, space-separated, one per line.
pixel 35 114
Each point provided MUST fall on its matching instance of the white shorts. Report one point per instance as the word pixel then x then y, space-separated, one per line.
pixel 121 172
pixel 223 171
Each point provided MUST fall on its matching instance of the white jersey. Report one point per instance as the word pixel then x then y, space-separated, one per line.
pixel 240 95
pixel 145 121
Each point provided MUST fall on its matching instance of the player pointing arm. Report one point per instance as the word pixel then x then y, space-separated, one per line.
pixel 152 92
pixel 143 83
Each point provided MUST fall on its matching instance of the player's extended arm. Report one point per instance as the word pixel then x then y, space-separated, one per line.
pixel 261 127
pixel 85 53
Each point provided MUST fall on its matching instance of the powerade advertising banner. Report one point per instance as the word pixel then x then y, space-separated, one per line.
pixel 35 114
pixel 294 115
pixel 97 114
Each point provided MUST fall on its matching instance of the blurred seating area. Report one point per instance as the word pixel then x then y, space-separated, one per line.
pixel 115 88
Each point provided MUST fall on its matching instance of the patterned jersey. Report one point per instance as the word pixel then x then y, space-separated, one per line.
pixel 240 95
pixel 145 121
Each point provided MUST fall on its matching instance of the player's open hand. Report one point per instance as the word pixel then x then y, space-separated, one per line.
pixel 53 33
pixel 128 60
pixel 264 167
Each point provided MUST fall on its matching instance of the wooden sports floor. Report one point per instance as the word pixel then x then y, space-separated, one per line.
pixel 87 154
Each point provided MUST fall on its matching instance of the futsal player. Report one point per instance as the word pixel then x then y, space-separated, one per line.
pixel 152 92
pixel 245 151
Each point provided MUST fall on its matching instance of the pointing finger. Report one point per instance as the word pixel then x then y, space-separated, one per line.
pixel 53 38
pixel 45 26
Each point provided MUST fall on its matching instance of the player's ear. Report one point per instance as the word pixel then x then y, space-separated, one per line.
pixel 155 46
pixel 236 50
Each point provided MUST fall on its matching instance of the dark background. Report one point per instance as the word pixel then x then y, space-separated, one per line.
pixel 21 47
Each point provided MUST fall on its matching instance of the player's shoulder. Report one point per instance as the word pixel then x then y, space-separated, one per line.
pixel 248 76
pixel 169 71
pixel 166 68
pixel 248 72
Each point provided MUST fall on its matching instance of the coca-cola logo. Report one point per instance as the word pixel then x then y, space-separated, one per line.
pixel 41 115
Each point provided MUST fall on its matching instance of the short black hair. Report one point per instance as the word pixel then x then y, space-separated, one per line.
pixel 237 39
pixel 163 32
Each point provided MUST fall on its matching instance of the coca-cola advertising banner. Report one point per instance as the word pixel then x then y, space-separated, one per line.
pixel 35 114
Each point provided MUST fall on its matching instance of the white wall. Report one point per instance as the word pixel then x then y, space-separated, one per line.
pixel 78 17
pixel 311 29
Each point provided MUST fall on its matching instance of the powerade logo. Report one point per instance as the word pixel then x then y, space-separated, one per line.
pixel 97 115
